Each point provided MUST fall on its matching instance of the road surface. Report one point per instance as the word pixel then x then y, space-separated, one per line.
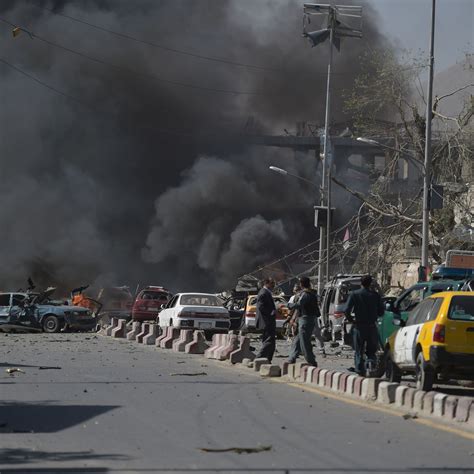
pixel 114 406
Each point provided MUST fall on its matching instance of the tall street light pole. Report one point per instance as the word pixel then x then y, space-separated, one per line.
pixel 427 175
pixel 334 31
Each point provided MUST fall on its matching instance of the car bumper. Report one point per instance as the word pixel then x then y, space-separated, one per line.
pixel 145 315
pixel 450 362
pixel 250 323
pixel 211 325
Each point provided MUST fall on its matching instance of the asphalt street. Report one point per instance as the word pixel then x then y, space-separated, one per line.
pixel 86 403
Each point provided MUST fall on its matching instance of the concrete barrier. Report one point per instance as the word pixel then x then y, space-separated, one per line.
pixel 284 367
pixel 463 408
pixel 185 337
pixel 167 342
pixel 369 388
pixel 257 363
pixel 335 381
pixel 198 345
pixel 450 405
pixel 343 382
pixel 428 401
pixel 386 392
pixel 350 384
pixel 139 337
pixel 439 403
pixel 136 328
pixel 113 324
pixel 418 400
pixel 322 377
pixel 309 374
pixel 219 342
pixel 232 344
pixel 243 351
pixel 270 370
pixel 153 332
pixel 400 395
pixel 163 335
pixel 119 330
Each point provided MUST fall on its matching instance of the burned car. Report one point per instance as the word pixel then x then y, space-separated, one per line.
pixel 39 311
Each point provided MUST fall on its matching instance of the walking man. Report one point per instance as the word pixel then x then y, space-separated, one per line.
pixel 266 319
pixel 308 312
pixel 367 307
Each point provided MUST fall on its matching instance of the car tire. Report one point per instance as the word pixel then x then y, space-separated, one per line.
pixel 392 371
pixel 425 376
pixel 51 324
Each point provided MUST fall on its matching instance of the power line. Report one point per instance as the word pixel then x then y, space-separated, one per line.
pixel 83 103
pixel 129 70
pixel 156 45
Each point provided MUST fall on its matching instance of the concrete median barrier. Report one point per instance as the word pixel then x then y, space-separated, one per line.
pixel 270 370
pixel 438 404
pixel 386 392
pixel 257 363
pixel 284 367
pixel 198 345
pixel 118 331
pixel 153 332
pixel 185 337
pixel 167 342
pixel 322 377
pixel 139 337
pixel 113 324
pixel 350 384
pixel 369 388
pixel 136 329
pixel 418 401
pixel 232 344
pixel 428 401
pixel 163 335
pixel 219 342
pixel 243 351
pixel 335 381
pixel 463 408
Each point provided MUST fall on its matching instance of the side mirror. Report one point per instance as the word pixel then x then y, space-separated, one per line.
pixel 389 306
pixel 399 322
pixel 163 306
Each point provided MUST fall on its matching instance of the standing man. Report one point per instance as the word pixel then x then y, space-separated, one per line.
pixel 308 311
pixel 367 307
pixel 266 319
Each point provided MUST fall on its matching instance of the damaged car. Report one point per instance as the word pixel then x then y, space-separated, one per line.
pixel 39 311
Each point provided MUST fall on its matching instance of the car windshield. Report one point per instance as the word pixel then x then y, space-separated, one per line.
pixel 462 308
pixel 200 300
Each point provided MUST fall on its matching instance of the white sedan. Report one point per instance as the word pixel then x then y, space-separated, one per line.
pixel 195 311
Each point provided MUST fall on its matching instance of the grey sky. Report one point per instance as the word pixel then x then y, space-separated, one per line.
pixel 408 23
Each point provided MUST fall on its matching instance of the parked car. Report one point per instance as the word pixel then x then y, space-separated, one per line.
pixel 248 321
pixel 148 303
pixel 236 307
pixel 117 302
pixel 437 339
pixel 333 303
pixel 408 300
pixel 195 311
pixel 37 310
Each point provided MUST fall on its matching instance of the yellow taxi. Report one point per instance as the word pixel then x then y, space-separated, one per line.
pixel 248 320
pixel 436 340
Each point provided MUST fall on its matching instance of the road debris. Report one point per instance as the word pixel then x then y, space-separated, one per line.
pixel 49 368
pixel 190 374
pixel 407 416
pixel 237 450
pixel 12 370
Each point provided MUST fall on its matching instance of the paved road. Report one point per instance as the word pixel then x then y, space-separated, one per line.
pixel 115 407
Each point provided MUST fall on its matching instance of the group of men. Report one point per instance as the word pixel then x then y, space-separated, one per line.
pixel 363 308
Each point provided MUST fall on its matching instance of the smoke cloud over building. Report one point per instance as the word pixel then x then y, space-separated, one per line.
pixel 126 161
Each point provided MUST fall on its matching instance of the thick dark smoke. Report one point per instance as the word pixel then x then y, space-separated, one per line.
pixel 139 180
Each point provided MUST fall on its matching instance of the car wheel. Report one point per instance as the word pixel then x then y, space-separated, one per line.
pixel 425 376
pixel 51 324
pixel 392 371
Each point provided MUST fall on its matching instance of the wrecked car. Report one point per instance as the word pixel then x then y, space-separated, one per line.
pixel 39 311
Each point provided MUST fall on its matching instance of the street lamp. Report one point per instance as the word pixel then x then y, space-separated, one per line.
pixel 286 173
pixel 336 29
pixel 406 153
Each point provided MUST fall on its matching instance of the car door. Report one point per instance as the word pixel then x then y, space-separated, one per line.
pixel 415 322
pixel 401 339
pixel 5 303
pixel 167 314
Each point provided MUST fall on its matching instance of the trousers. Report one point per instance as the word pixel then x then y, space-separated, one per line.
pixel 365 338
pixel 268 341
pixel 302 342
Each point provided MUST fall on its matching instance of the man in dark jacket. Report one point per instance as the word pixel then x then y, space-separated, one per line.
pixel 266 319
pixel 308 312
pixel 367 307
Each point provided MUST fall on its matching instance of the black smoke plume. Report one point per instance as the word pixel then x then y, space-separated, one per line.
pixel 120 177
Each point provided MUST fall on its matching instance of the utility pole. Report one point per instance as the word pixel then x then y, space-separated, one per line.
pixel 427 175
pixel 334 31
